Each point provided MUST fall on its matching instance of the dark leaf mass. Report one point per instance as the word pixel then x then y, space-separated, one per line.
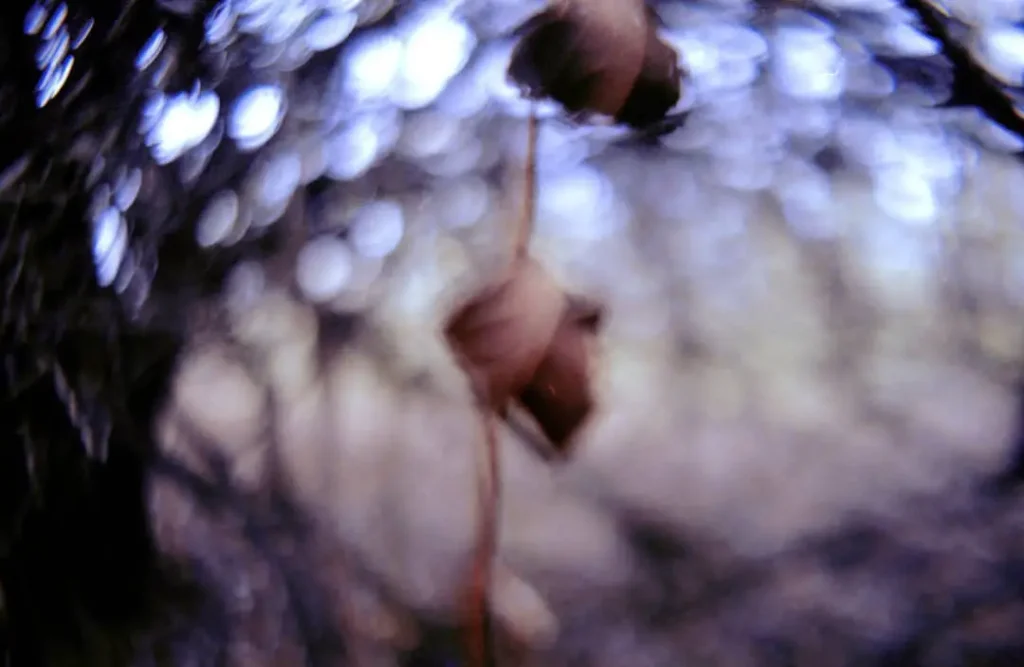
pixel 599 57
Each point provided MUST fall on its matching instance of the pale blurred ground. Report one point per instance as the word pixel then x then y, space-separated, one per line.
pixel 752 394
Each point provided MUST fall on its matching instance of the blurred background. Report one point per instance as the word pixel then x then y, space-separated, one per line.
pixel 233 434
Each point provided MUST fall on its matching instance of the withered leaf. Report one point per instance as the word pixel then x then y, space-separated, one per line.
pixel 502 334
pixel 559 396
pixel 599 56
pixel 523 339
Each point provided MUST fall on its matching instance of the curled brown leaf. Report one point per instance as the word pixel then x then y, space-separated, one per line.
pixel 503 333
pixel 559 396
pixel 523 339
pixel 599 56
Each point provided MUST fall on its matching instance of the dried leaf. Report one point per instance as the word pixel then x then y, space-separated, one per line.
pixel 599 56
pixel 559 397
pixel 523 339
pixel 503 333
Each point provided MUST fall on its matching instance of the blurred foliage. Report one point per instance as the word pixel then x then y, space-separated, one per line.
pixel 85 366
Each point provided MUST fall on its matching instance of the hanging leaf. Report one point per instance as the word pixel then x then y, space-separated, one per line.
pixel 599 56
pixel 519 338
pixel 559 397
pixel 524 340
pixel 502 334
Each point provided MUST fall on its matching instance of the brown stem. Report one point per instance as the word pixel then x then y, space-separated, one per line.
pixel 524 228
pixel 479 643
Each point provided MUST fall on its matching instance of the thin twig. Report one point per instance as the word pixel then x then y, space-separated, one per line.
pixel 480 643
pixel 524 228
pixel 971 79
